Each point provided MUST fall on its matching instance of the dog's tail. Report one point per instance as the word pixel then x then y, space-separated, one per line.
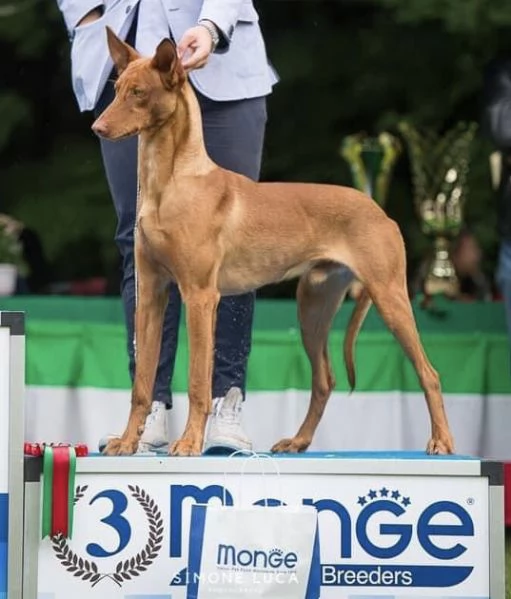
pixel 357 318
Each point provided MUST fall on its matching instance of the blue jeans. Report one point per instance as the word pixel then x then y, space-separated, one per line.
pixel 234 135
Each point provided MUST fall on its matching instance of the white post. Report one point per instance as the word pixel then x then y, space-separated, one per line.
pixel 12 399
pixel 4 453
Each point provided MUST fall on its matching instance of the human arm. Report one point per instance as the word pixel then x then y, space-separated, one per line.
pixel 224 14
pixel 199 41
pixel 497 104
pixel 79 12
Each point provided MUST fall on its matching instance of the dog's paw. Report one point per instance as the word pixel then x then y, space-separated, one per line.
pixel 294 445
pixel 441 445
pixel 185 447
pixel 120 447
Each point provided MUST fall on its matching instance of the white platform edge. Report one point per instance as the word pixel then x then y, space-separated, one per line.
pixel 302 465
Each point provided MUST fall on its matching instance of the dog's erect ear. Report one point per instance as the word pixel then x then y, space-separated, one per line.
pixel 167 63
pixel 121 52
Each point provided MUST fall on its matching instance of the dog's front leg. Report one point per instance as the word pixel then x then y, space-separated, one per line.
pixel 152 300
pixel 201 308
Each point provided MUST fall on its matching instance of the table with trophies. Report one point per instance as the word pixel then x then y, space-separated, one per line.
pixel 439 167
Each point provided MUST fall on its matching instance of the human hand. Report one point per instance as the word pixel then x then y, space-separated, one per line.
pixel 195 47
pixel 91 16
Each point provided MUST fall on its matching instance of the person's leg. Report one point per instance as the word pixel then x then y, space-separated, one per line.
pixel 504 281
pixel 234 136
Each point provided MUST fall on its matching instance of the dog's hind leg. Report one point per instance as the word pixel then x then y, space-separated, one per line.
pixel 385 278
pixel 320 293
pixel 152 300
pixel 394 307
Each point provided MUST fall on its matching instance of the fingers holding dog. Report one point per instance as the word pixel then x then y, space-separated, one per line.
pixel 194 48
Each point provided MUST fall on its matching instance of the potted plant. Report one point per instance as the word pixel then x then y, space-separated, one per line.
pixel 12 262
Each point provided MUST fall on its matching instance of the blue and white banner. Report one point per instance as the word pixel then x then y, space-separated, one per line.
pixel 408 536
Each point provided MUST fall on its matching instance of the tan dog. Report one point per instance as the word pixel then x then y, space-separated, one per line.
pixel 217 233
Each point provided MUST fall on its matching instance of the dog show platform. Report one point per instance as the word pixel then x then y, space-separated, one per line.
pixel 392 524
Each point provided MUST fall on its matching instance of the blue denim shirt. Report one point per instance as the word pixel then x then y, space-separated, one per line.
pixel 239 71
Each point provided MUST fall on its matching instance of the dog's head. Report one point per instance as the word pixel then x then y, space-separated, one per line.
pixel 146 91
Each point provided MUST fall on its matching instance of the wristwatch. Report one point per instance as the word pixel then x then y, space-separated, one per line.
pixel 213 31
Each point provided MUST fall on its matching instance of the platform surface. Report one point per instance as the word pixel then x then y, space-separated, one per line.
pixel 363 463
pixel 338 455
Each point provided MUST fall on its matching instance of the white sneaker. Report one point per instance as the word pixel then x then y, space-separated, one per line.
pixel 225 433
pixel 155 438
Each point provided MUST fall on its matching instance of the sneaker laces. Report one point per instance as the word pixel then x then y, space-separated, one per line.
pixel 225 424
pixel 151 417
pixel 217 405
pixel 229 417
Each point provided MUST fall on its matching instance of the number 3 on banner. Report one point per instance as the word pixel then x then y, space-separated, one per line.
pixel 115 520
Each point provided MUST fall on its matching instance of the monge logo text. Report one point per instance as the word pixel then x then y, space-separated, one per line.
pixel 255 559
pixel 385 539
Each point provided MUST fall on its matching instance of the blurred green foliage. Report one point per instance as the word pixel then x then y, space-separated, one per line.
pixel 345 66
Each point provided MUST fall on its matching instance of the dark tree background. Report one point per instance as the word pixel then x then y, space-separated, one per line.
pixel 345 66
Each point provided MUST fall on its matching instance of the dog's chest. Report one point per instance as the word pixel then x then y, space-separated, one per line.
pixel 155 239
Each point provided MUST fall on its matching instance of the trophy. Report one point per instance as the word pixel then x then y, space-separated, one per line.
pixel 439 166
pixel 371 161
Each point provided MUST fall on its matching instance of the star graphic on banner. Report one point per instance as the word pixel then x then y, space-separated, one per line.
pixel 396 494
pixel 372 494
pixel 384 492
pixel 406 501
pixel 362 501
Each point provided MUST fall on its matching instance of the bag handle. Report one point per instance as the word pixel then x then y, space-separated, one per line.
pixel 258 456
pixel 251 454
pixel 273 461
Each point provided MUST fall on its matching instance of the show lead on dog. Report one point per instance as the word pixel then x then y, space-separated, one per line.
pixel 221 45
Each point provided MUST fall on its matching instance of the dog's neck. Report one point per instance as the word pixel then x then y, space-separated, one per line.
pixel 176 149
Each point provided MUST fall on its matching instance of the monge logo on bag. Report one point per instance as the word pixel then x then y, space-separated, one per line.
pixel 272 564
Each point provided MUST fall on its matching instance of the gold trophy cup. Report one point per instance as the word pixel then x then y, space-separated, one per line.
pixel 371 161
pixel 440 166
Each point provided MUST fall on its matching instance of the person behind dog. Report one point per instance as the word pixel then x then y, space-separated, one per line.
pixel 467 259
pixel 37 272
pixel 221 46
pixel 466 256
pixel 497 125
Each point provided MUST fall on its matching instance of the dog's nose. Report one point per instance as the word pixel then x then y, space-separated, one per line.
pixel 100 128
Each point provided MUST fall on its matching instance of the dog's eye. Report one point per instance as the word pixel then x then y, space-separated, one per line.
pixel 136 91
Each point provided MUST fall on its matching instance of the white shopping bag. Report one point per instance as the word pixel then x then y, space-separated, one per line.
pixel 254 551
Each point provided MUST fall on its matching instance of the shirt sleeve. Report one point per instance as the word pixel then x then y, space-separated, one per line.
pixel 73 11
pixel 224 14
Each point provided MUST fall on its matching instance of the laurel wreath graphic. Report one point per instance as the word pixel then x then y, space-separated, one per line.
pixel 127 569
